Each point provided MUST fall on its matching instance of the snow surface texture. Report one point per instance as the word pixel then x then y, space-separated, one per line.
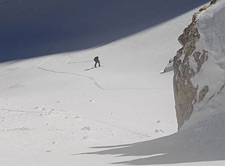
pixel 210 25
pixel 53 110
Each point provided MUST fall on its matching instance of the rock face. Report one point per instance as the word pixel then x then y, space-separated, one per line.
pixel 185 93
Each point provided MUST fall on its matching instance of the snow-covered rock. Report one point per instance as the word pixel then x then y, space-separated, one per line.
pixel 169 67
pixel 199 66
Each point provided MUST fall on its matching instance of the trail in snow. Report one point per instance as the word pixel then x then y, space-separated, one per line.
pixel 78 75
pixel 94 81
pixel 98 85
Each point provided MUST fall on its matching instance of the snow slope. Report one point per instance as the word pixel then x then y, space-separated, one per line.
pixel 53 112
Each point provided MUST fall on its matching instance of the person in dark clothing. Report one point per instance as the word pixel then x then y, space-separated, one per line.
pixel 97 61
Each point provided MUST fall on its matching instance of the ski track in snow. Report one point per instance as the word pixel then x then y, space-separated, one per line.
pixel 78 75
pixel 87 77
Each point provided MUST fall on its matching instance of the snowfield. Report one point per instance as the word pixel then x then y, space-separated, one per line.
pixel 56 109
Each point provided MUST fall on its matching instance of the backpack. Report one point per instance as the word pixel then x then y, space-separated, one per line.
pixel 96 59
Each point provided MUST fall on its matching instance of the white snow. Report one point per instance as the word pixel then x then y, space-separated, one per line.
pixel 54 112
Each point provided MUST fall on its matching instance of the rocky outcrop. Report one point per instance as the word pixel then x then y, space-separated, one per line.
pixel 185 93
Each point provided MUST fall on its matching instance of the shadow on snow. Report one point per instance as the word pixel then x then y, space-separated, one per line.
pixel 31 28
pixel 202 141
pixel 174 149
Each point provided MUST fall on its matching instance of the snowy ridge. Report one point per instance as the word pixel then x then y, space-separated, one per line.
pixel 210 23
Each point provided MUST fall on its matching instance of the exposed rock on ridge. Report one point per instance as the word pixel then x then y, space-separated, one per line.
pixel 185 93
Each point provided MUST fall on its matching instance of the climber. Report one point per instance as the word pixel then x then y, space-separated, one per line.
pixel 97 61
